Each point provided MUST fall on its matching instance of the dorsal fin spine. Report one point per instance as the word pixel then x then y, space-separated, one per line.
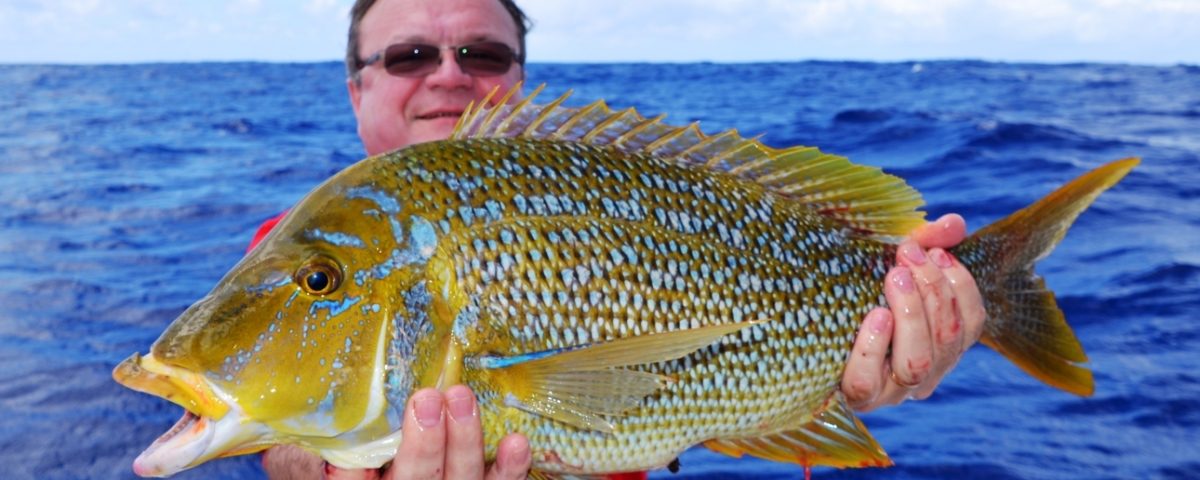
pixel 543 115
pixel 518 108
pixel 706 142
pixel 671 135
pixel 493 112
pixel 579 116
pixel 864 198
pixel 601 127
pixel 638 129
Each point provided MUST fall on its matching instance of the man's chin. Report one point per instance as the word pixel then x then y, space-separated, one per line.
pixel 412 133
pixel 433 129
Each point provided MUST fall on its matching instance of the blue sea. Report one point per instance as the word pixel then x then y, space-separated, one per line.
pixel 126 192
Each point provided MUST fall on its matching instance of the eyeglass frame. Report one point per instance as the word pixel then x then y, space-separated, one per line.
pixel 517 57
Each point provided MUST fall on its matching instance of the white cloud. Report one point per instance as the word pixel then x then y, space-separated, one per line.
pixel 1040 30
pixel 244 7
pixel 1158 31
pixel 321 6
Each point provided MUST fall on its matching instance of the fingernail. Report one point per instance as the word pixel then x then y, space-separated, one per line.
pixel 461 405
pixel 940 258
pixel 877 321
pixel 903 279
pixel 913 253
pixel 518 456
pixel 428 410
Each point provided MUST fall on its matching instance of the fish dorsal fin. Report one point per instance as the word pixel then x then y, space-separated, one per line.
pixel 834 438
pixel 582 385
pixel 862 198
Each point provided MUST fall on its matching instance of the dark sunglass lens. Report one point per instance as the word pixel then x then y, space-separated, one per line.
pixel 410 59
pixel 487 58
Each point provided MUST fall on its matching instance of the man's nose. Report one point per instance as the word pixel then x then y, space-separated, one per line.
pixel 448 72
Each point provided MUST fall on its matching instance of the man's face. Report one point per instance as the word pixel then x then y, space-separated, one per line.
pixel 395 112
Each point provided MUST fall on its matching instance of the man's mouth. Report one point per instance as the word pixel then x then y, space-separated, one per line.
pixel 437 115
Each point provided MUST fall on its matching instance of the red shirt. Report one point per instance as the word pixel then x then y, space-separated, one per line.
pixel 263 230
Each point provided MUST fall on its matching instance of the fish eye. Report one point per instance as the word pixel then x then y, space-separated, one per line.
pixel 319 276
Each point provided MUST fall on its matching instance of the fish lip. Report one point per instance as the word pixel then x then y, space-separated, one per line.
pixel 185 388
pixel 196 439
pixel 212 425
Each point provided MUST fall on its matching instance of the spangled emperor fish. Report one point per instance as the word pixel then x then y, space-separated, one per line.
pixel 614 288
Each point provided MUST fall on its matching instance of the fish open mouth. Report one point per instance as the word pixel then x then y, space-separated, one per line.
pixel 185 422
pixel 210 426
pixel 177 449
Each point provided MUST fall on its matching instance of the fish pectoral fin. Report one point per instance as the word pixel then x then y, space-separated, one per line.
pixel 834 438
pixel 584 384
pixel 587 399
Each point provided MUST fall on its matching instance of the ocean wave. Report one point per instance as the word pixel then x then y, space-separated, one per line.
pixel 863 115
pixel 1004 135
pixel 126 191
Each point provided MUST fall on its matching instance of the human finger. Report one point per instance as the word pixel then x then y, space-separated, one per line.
pixel 945 232
pixel 513 459
pixel 334 473
pixel 464 434
pixel 291 462
pixel 867 370
pixel 943 322
pixel 422 450
pixel 910 338
pixel 912 353
pixel 968 301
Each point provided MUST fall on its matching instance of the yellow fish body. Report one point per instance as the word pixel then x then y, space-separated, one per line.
pixel 614 288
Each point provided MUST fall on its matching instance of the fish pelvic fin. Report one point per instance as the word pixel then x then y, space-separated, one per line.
pixel 863 199
pixel 834 438
pixel 1024 322
pixel 585 385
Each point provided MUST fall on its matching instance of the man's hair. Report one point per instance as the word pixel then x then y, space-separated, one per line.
pixel 359 10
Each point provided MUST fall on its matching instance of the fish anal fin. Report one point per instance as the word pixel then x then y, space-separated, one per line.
pixel 834 438
pixel 584 385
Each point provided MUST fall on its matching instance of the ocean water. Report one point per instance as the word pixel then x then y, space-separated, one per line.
pixel 126 192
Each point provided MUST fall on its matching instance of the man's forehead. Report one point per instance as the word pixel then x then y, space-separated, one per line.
pixel 437 21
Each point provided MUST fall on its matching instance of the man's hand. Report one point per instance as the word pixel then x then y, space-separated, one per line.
pixel 936 314
pixel 443 438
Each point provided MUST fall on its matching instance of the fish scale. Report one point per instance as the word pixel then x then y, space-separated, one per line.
pixel 512 265
pixel 614 288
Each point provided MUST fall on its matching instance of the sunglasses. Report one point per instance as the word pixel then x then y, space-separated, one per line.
pixel 483 59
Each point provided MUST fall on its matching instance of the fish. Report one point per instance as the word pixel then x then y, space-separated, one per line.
pixel 613 287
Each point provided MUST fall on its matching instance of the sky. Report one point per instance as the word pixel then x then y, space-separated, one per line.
pixel 1157 32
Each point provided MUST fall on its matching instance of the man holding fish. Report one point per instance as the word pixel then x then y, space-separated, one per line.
pixel 415 65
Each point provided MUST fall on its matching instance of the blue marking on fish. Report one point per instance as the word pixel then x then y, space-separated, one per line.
pixel 337 239
pixel 335 307
pixel 387 203
pixel 494 362
pixel 270 284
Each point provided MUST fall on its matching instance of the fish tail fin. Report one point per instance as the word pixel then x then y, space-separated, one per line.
pixel 1024 322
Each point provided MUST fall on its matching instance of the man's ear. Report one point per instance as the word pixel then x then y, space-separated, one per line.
pixel 354 87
